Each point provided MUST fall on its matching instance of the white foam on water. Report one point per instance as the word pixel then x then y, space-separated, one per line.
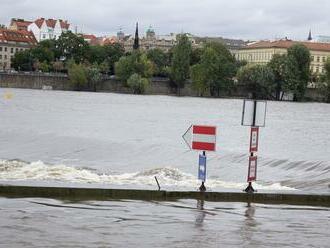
pixel 167 176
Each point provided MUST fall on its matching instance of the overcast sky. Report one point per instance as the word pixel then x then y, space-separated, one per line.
pixel 246 19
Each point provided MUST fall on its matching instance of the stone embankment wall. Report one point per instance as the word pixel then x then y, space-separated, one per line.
pixel 158 86
pixel 34 81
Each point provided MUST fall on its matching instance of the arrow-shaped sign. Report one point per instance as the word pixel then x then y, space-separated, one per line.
pixel 200 137
pixel 187 136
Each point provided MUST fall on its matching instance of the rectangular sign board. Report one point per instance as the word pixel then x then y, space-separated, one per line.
pixel 254 138
pixel 254 113
pixel 204 138
pixel 202 168
pixel 252 174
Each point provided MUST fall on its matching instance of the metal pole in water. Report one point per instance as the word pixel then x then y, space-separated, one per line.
pixel 157 183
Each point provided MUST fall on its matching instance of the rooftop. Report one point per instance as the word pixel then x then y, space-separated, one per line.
pixel 315 46
pixel 23 36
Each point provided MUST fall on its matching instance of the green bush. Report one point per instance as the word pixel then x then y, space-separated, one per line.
pixel 137 83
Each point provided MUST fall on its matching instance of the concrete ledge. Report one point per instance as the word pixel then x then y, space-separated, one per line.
pixel 108 194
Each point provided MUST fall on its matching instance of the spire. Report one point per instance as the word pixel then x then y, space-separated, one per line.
pixel 310 36
pixel 136 38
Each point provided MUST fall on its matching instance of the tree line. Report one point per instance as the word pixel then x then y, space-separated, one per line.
pixel 211 70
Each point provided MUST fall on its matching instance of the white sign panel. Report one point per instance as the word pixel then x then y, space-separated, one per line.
pixel 253 108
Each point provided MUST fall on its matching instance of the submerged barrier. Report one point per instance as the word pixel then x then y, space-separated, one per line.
pixel 11 191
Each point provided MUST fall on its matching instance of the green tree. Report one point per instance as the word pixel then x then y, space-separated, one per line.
pixel 22 61
pixel 94 76
pixel 137 83
pixel 198 79
pixel 180 67
pixel 77 76
pixel 113 53
pixel 299 56
pixel 58 66
pixel 257 80
pixel 215 71
pixel 71 46
pixel 325 87
pixel 137 62
pixel 278 65
pixel 160 60
pixel 196 55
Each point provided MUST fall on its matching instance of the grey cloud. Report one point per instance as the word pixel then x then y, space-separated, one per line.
pixel 248 19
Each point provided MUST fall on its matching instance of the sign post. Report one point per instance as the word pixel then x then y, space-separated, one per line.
pixel 254 115
pixel 201 138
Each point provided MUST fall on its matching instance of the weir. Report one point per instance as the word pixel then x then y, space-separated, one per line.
pixel 69 193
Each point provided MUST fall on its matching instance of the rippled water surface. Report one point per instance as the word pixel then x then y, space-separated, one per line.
pixel 125 140
pixel 52 223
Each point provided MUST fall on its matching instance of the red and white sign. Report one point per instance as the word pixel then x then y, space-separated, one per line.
pixel 254 138
pixel 252 174
pixel 201 137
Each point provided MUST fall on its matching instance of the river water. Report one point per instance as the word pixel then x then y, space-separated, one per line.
pixel 122 141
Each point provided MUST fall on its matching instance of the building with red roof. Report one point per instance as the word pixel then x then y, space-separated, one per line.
pixel 261 52
pixel 44 29
pixel 11 42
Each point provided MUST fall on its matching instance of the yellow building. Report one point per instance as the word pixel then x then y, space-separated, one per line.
pixel 261 52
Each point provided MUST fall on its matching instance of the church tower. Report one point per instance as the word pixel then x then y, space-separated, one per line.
pixel 310 36
pixel 136 38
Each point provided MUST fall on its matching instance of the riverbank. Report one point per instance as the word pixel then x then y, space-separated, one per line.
pixel 158 86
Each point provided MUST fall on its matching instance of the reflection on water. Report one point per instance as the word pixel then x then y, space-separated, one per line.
pixel 53 223
pixel 248 228
pixel 200 213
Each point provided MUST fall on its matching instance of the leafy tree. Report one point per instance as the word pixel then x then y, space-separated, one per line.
pixel 71 46
pixel 137 83
pixel 44 66
pixel 160 60
pixel 215 71
pixel 23 61
pixel 42 54
pixel 325 87
pixel 77 76
pixel 113 53
pixel 278 64
pixel 137 62
pixel 180 67
pixel 58 66
pixel 299 56
pixel 196 55
pixel 93 76
pixel 258 80
pixel 198 78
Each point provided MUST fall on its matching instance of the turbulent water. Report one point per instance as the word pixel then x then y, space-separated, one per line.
pixel 50 137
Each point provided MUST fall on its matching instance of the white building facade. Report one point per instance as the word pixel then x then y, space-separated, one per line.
pixel 48 29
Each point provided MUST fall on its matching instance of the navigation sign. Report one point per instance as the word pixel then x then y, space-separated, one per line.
pixel 252 174
pixel 254 113
pixel 201 137
pixel 202 168
pixel 254 137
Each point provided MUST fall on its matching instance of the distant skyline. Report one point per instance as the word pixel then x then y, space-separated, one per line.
pixel 241 19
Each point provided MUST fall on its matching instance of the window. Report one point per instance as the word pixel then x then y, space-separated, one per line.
pixel 44 36
pixel 11 50
pixel 5 56
pixel 0 49
pixel 312 58
pixel 0 56
pixel 5 49
pixel 16 50
pixel 323 59
pixel 317 69
pixel 317 59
